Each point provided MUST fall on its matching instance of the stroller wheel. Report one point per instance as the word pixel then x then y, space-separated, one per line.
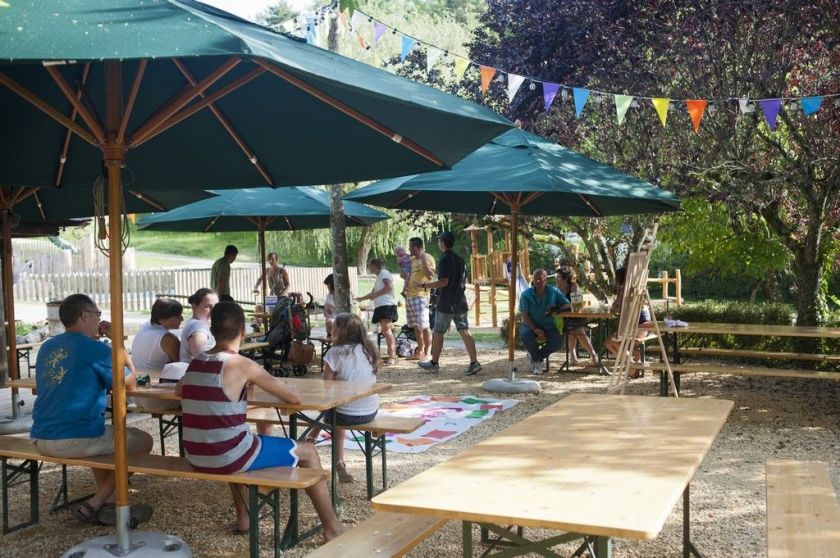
pixel 279 372
pixel 299 370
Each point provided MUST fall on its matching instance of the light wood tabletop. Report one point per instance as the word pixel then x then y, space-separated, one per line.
pixel 603 465
pixel 755 329
pixel 588 314
pixel 253 346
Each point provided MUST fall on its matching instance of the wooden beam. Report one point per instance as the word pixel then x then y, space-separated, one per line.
pixel 150 127
pixel 47 109
pixel 132 98
pixel 75 97
pixel 351 112
pixel 62 160
pixel 226 124
pixel 201 105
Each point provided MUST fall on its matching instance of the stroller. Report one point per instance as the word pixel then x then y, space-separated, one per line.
pixel 289 322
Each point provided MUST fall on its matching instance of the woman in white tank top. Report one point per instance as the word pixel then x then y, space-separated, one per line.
pixel 154 346
pixel 196 337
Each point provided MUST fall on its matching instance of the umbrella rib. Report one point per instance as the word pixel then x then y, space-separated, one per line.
pixel 591 205
pixel 194 108
pixel 151 201
pixel 210 224
pixel 351 112
pixel 88 118
pixel 62 160
pixel 132 98
pixel 40 205
pixel 156 123
pixel 226 124
pixel 47 109
pixel 531 197
pixel 403 199
pixel 288 223
pixel 23 193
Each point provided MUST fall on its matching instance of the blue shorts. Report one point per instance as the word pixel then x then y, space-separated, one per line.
pixel 275 452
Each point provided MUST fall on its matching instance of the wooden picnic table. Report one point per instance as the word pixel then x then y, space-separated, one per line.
pixel 759 330
pixel 592 466
pixel 603 316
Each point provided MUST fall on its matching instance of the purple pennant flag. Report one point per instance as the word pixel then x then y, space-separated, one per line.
pixel 549 92
pixel 771 111
pixel 378 31
pixel 810 105
pixel 581 95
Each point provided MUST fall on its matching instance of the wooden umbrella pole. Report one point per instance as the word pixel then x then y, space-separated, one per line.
pixel 261 229
pixel 114 155
pixel 514 260
pixel 11 334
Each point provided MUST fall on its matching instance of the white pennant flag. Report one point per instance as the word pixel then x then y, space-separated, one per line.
pixel 432 56
pixel 357 20
pixel 514 83
pixel 746 106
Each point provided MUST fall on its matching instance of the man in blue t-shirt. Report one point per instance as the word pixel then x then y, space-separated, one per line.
pixel 538 330
pixel 73 378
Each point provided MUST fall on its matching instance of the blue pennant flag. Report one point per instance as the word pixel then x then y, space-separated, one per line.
pixel 581 95
pixel 310 30
pixel 810 105
pixel 407 44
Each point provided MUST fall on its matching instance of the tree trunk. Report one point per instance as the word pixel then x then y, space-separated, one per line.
pixel 363 249
pixel 341 275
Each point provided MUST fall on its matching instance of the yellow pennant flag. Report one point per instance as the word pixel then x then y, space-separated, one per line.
pixel 461 66
pixel 487 74
pixel 661 105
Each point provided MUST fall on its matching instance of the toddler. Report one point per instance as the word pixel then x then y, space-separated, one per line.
pixel 404 263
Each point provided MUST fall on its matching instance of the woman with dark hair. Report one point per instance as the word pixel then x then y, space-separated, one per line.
pixel 196 337
pixel 276 277
pixel 576 329
pixel 154 345
pixel 384 305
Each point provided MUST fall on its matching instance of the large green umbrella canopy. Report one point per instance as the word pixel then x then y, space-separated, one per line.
pixel 284 209
pixel 521 173
pixel 521 169
pixel 178 95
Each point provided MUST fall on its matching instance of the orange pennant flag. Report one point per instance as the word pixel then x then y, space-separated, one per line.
pixel 696 108
pixel 362 43
pixel 487 74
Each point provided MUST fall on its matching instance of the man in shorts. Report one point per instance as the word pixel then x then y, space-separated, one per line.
pixel 451 305
pixel 417 298
pixel 216 437
pixel 73 378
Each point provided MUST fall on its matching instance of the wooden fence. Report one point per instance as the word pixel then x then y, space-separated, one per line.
pixel 142 287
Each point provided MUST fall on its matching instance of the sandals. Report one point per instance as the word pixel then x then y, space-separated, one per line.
pixel 341 471
pixel 85 513
pixel 390 361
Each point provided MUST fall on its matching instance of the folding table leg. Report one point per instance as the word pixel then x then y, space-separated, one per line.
pixel 10 473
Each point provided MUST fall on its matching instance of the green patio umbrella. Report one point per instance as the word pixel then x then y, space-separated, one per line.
pixel 284 209
pixel 177 95
pixel 521 173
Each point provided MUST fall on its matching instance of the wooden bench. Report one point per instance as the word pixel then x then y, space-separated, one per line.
pixel 718 368
pixel 803 515
pixel 383 534
pixel 816 357
pixel 263 485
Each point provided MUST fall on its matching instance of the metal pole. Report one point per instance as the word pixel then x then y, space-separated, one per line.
pixel 11 335
pixel 514 276
pixel 261 230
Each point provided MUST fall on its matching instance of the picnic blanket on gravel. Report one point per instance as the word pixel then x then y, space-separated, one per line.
pixel 445 416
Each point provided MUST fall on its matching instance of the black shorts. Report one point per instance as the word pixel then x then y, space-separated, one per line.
pixel 384 313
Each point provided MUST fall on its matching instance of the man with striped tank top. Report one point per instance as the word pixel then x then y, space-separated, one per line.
pixel 216 438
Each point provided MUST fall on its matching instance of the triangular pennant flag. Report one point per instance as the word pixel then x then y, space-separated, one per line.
pixel 487 74
pixel 461 66
pixel 810 105
pixel 549 92
pixel 661 105
pixel 580 95
pixel 771 107
pixel 310 30
pixel 696 108
pixel 407 44
pixel 746 105
pixel 362 43
pixel 622 103
pixel 433 54
pixel 357 20
pixel 378 31
pixel 342 18
pixel 514 83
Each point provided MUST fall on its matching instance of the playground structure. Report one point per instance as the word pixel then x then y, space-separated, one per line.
pixel 489 271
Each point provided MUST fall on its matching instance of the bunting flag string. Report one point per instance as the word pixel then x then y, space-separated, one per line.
pixel 697 108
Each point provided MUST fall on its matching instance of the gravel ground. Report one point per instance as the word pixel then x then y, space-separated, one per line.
pixel 772 418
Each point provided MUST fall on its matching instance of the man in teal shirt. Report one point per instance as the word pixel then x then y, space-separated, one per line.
pixel 220 273
pixel 538 331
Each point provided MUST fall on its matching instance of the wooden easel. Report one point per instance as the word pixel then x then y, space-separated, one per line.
pixel 635 297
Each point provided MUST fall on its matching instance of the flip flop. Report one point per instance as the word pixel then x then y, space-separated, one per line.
pixel 85 513
pixel 140 513
pixel 235 530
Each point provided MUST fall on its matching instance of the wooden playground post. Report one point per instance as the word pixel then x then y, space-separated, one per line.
pixel 477 305
pixel 664 279
pixel 678 287
pixel 493 312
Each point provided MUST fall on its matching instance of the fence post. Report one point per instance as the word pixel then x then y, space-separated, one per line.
pixel 493 312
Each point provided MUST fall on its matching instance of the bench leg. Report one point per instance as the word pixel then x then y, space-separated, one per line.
pixel 369 463
pixel 11 474
pixel 168 426
pixel 688 547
